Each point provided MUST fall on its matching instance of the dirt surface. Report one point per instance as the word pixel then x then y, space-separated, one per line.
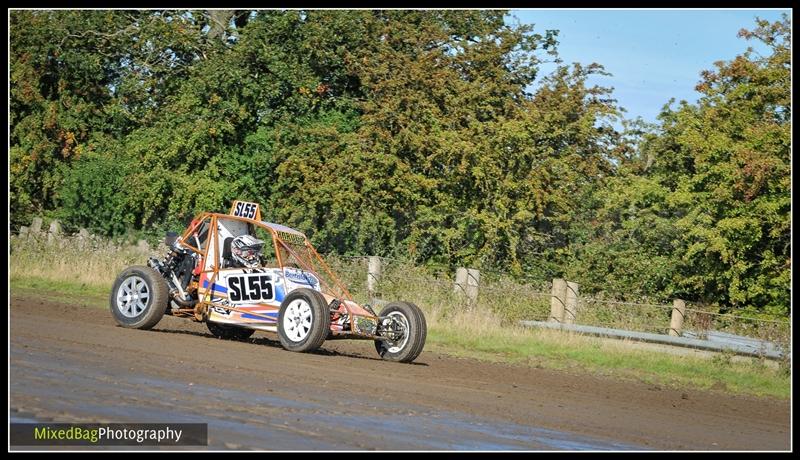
pixel 70 363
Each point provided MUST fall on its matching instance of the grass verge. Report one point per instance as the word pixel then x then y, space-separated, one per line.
pixel 574 352
pixel 92 296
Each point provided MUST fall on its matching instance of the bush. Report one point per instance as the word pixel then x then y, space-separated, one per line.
pixel 93 195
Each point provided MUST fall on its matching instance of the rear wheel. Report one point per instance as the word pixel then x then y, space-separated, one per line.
pixel 403 325
pixel 224 331
pixel 303 320
pixel 139 298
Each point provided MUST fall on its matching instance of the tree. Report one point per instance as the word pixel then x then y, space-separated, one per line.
pixel 725 165
pixel 80 80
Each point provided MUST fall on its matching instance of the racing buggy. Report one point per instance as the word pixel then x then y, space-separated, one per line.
pixel 239 274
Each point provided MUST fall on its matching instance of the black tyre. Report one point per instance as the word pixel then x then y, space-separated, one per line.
pixel 303 320
pixel 139 298
pixel 408 333
pixel 224 331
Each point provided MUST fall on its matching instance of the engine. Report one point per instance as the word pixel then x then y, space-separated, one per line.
pixel 177 268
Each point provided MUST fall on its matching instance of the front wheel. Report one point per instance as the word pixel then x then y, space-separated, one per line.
pixel 404 327
pixel 139 298
pixel 303 320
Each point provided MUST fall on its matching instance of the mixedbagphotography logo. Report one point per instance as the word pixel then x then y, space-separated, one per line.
pixel 109 434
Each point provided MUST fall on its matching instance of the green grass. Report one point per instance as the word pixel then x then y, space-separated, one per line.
pixel 93 296
pixel 558 350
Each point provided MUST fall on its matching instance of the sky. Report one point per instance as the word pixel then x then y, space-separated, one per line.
pixel 654 55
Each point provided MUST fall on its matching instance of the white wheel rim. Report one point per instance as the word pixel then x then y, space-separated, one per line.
pixel 297 320
pixel 395 346
pixel 132 297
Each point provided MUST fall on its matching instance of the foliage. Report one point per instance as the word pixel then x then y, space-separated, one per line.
pixel 698 207
pixel 430 135
pixel 726 163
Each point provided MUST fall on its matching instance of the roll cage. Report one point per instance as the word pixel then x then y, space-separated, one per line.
pixel 290 246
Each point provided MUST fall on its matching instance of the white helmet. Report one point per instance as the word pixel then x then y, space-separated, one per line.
pixel 246 250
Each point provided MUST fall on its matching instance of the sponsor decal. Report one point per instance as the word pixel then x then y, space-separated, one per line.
pixel 300 277
pixel 221 311
pixel 291 238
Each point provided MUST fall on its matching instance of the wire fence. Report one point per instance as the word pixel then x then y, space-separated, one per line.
pixel 655 318
pixel 514 299
pixel 703 321
pixel 630 316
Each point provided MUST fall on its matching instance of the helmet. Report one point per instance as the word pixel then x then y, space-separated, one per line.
pixel 246 250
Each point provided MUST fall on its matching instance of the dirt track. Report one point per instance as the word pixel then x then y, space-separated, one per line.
pixel 71 363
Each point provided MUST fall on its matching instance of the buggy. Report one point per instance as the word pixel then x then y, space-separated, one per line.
pixel 289 289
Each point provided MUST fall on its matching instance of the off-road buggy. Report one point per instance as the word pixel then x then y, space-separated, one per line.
pixel 291 291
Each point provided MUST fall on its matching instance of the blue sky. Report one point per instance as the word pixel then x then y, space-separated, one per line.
pixel 653 54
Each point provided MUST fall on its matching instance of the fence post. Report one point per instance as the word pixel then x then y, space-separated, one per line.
pixel 473 280
pixel 54 232
pixel 558 300
pixel 373 276
pixel 571 302
pixel 678 312
pixel 467 281
pixel 36 225
pixel 460 286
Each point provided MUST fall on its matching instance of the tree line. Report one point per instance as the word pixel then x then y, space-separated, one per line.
pixel 429 135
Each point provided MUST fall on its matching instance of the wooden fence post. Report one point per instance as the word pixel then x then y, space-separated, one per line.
pixel 460 286
pixel 467 281
pixel 36 225
pixel 373 276
pixel 54 233
pixel 558 300
pixel 473 280
pixel 678 313
pixel 571 302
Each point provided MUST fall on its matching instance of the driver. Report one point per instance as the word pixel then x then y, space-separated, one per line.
pixel 246 251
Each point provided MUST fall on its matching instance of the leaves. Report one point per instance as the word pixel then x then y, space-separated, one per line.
pixel 415 133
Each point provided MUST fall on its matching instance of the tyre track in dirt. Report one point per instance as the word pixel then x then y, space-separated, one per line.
pixel 72 363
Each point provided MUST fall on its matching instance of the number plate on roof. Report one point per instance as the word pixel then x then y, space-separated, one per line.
pixel 246 209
